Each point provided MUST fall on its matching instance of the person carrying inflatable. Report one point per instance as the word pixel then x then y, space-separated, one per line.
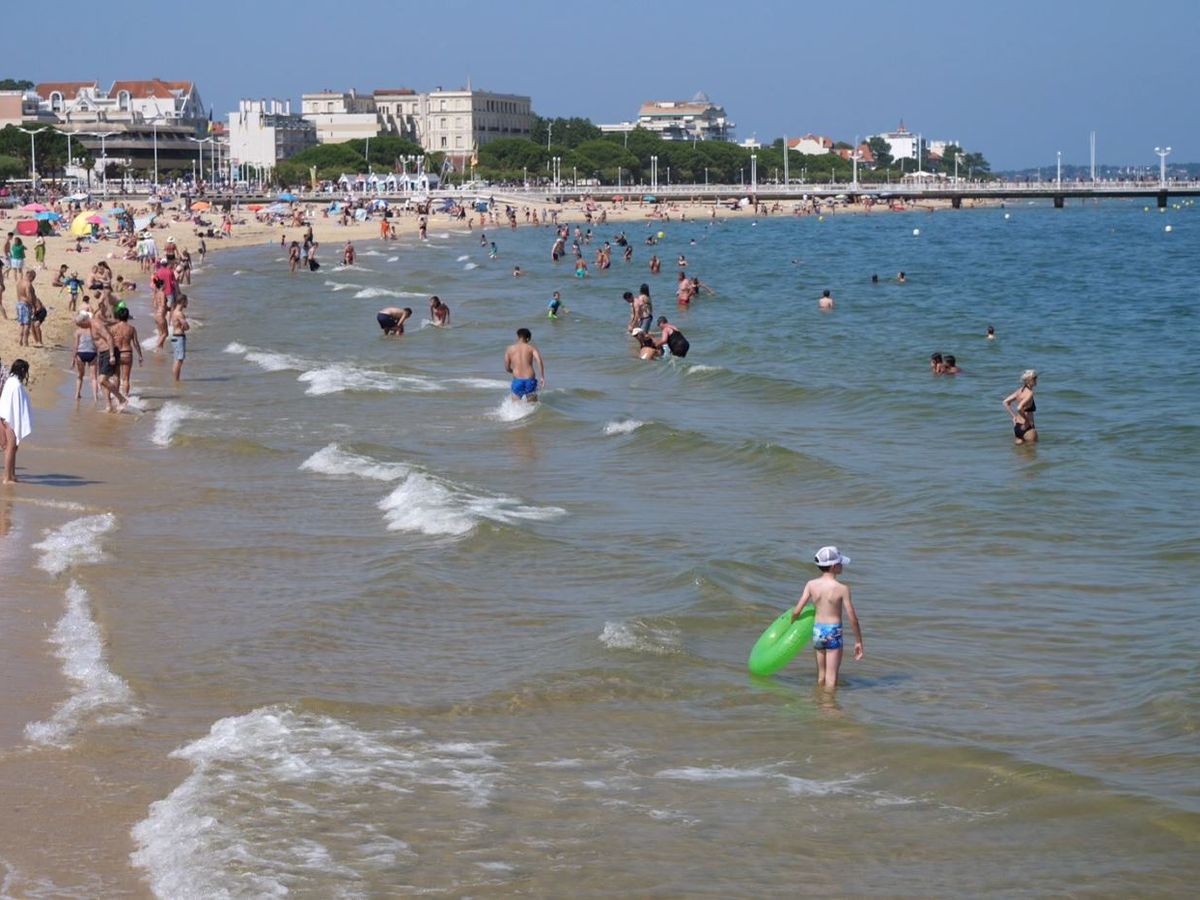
pixel 829 597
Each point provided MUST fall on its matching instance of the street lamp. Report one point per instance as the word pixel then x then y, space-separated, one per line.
pixel 103 135
pixel 154 124
pixel 32 155
pixel 200 142
pixel 754 173
pixel 1058 173
pixel 69 157
pixel 1162 164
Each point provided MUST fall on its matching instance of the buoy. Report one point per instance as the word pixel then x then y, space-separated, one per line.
pixel 1145 209
pixel 820 218
pixel 1168 229
pixel 1006 215
pixel 916 232
pixel 1162 209
pixel 661 235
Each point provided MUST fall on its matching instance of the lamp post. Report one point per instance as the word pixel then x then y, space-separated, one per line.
pixel 200 142
pixel 103 135
pixel 754 173
pixel 706 176
pixel 1162 164
pixel 654 173
pixel 668 177
pixel 32 132
pixel 1058 171
pixel 69 157
pixel 154 124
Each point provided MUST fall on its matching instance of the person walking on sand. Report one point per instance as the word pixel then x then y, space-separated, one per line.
pixel 125 342
pixel 106 362
pixel 829 598
pixel 84 358
pixel 39 251
pixel 16 417
pixel 519 360
pixel 178 327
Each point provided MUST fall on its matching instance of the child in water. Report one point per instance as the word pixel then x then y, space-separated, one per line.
pixel 829 598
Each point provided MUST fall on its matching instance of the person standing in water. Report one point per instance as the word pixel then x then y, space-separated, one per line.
pixel 1021 406
pixel 391 319
pixel 16 417
pixel 519 360
pixel 829 598
pixel 178 327
pixel 439 312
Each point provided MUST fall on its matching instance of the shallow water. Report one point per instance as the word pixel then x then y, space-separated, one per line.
pixel 398 633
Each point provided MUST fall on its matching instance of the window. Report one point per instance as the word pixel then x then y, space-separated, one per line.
pixel 443 142
pixel 56 102
pixel 443 107
pixel 329 106
pixel 444 120
pixel 458 142
pixel 123 101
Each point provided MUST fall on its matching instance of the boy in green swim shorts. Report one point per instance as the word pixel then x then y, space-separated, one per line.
pixel 829 597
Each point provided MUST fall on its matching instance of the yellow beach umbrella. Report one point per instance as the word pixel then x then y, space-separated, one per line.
pixel 80 226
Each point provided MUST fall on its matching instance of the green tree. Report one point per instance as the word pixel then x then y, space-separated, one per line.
pixel 882 151
pixel 386 150
pixel 976 165
pixel 14 84
pixel 11 167
pixel 568 133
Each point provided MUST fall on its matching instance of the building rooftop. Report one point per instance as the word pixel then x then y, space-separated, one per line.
pixel 69 89
pixel 152 88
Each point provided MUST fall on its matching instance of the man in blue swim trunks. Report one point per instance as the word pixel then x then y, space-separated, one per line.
pixel 829 597
pixel 519 360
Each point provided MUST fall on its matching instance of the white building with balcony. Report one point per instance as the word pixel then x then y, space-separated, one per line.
pixel 698 119
pixel 262 132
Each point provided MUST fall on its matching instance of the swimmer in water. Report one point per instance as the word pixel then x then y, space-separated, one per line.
pixel 655 265
pixel 826 301
pixel 647 349
pixel 936 364
pixel 874 279
pixel 555 306
pixel 519 360
pixel 900 279
pixel 439 312
pixel 950 365
pixel 991 332
pixel 391 319
pixel 1021 406
pixel 517 273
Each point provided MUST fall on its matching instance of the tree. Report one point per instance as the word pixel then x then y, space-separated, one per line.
pixel 569 133
pixel 386 150
pixel 882 151
pixel 11 167
pixel 13 84
pixel 975 164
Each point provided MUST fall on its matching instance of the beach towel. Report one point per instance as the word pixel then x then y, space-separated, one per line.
pixel 14 408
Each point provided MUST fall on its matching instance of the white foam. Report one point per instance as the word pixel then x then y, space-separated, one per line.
pixel 464 257
pixel 640 638
pixel 268 360
pixel 370 253
pixel 368 293
pixel 340 377
pixel 170 416
pixel 75 543
pixel 625 426
pixel 300 773
pixel 149 342
pixel 343 286
pixel 98 694
pixel 237 272
pixel 701 369
pixel 392 258
pixel 333 460
pixel 443 235
pixel 482 383
pixel 428 505
pixel 513 410
pixel 469 266
pixel 796 785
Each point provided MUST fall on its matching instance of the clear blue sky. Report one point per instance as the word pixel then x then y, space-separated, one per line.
pixel 1016 80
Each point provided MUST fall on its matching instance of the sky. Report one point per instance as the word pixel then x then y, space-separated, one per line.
pixel 1016 80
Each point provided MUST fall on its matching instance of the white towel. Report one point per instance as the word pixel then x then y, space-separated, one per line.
pixel 14 408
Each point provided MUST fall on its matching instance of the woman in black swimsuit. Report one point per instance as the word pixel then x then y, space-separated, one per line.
pixel 1021 406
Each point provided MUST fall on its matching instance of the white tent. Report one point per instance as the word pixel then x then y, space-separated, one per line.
pixel 923 176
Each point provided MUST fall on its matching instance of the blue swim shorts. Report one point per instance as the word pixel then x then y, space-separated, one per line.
pixel 827 637
pixel 523 387
pixel 24 314
pixel 179 346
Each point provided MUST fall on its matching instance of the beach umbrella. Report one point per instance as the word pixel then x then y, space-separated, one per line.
pixel 618 198
pixel 254 207
pixel 35 207
pixel 142 223
pixel 47 216
pixel 201 206
pixel 27 227
pixel 95 220
pixel 288 197
pixel 79 196
pixel 115 211
pixel 81 225
pixel 277 208
pixel 650 198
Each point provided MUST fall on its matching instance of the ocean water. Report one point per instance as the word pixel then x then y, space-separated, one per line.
pixel 373 628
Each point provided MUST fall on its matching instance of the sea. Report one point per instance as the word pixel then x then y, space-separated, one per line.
pixel 336 617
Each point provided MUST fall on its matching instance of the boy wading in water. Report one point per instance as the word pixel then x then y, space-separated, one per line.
pixel 828 597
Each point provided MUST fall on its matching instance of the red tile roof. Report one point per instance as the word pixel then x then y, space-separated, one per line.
pixel 69 89
pixel 155 87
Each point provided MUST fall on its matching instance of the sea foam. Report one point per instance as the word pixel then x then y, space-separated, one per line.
pixel 302 773
pixel 77 542
pixel 640 638
pixel 170 417
pixel 98 695
pixel 625 426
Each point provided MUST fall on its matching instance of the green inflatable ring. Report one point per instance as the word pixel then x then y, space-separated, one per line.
pixel 781 642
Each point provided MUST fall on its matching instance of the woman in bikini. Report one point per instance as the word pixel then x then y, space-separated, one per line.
pixel 1021 406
